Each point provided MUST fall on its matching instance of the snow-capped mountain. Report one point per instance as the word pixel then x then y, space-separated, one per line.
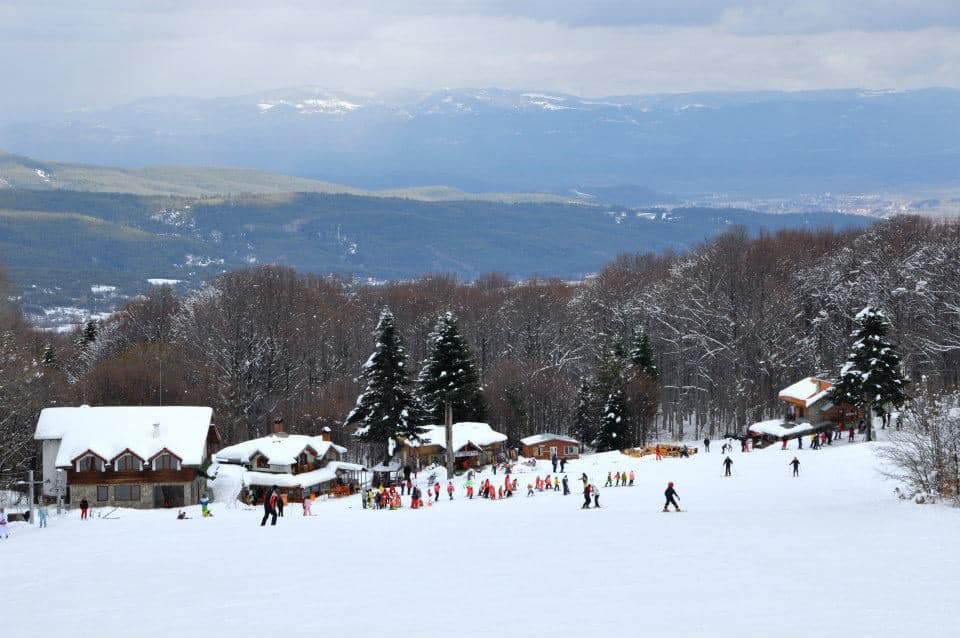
pixel 527 140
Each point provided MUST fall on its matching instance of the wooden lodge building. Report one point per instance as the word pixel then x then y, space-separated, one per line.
pixel 809 409
pixel 548 446
pixel 474 445
pixel 140 457
pixel 296 464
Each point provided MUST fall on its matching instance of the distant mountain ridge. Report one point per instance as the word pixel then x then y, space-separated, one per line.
pixel 492 140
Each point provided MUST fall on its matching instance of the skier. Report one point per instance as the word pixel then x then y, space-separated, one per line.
pixel 270 506
pixel 657 450
pixel 204 505
pixel 796 466
pixel 706 444
pixel 586 496
pixel 84 506
pixel 469 486
pixel 556 484
pixel 616 479
pixel 529 489
pixel 671 495
pixel 727 464
pixel 632 476
pixel 800 442
pixel 42 513
pixel 596 496
pixel 784 446
pixel 563 464
pixel 566 486
pixel 450 489
pixel 609 482
pixel 3 523
pixel 281 501
pixel 553 459
pixel 436 491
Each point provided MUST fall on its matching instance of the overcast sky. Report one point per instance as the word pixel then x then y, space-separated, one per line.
pixel 64 54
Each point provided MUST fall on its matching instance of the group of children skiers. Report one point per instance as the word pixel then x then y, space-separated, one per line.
pixel 617 478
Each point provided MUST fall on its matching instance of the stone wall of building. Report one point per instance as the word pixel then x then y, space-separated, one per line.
pixel 191 494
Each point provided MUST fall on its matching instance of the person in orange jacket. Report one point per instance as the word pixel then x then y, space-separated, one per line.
pixel 631 477
pixel 657 450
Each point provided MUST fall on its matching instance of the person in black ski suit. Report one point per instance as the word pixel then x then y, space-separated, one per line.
pixel 586 496
pixel 671 495
pixel 279 504
pixel 554 460
pixel 796 466
pixel 566 485
pixel 727 464
pixel 706 444
pixel 268 507
pixel 563 464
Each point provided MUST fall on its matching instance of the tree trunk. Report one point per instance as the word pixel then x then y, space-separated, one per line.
pixel 448 422
pixel 869 422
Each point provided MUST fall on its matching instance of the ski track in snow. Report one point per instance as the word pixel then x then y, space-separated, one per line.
pixel 831 553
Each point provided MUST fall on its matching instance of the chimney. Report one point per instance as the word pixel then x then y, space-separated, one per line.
pixel 278 425
pixel 325 434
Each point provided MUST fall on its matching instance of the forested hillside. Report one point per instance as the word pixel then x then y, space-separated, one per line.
pixel 93 250
pixel 729 323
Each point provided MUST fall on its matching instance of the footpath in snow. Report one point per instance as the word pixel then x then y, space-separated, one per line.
pixel 830 553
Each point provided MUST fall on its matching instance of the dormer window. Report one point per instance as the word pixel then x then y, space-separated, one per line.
pixel 166 461
pixel 127 463
pixel 90 463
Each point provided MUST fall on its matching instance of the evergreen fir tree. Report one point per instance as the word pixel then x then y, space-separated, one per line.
pixel 449 376
pixel 871 378
pixel 614 429
pixel 386 408
pixel 586 415
pixel 609 374
pixel 641 354
pixel 49 357
pixel 91 330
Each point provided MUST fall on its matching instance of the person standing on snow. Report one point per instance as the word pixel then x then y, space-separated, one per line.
pixel 270 506
pixel 205 505
pixel 657 450
pixel 586 496
pixel 436 491
pixel 3 523
pixel 632 476
pixel 566 486
pixel 563 465
pixel 727 464
pixel 706 444
pixel 596 496
pixel 553 459
pixel 307 502
pixel 450 489
pixel 280 502
pixel 796 466
pixel 672 496
pixel 84 506
pixel 42 513
pixel 469 486
pixel 609 479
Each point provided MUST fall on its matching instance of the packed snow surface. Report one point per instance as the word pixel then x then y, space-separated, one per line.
pixel 829 554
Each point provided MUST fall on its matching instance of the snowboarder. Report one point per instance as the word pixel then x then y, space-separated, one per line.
pixel 205 505
pixel 42 513
pixel 672 496
pixel 706 444
pixel 270 507
pixel 596 496
pixel 84 506
pixel 586 496
pixel 3 523
pixel 450 489
pixel 566 486
pixel 632 476
pixel 727 464
pixel 796 466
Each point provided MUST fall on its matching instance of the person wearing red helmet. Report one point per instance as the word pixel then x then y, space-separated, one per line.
pixel 672 497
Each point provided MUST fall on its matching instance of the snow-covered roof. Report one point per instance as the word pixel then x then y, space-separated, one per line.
pixel 546 436
pixel 108 431
pixel 778 428
pixel 806 391
pixel 307 479
pixel 277 449
pixel 480 434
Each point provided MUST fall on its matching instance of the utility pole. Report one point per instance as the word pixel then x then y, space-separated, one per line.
pixel 448 422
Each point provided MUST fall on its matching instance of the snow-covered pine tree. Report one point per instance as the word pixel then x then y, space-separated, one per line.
pixel 871 378
pixel 49 357
pixel 586 415
pixel 386 408
pixel 449 376
pixel 91 330
pixel 641 354
pixel 614 428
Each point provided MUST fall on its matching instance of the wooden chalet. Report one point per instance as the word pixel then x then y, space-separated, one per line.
pixel 139 457
pixel 549 446
pixel 474 445
pixel 809 409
